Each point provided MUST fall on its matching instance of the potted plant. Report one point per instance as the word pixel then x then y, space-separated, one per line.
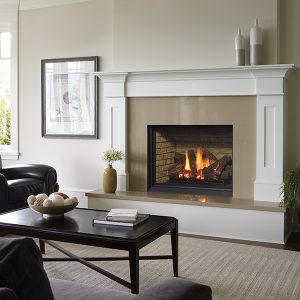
pixel 290 190
pixel 110 174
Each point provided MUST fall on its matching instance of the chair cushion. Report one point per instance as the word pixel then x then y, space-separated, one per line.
pixel 20 189
pixel 70 290
pixel 170 289
pixel 21 269
pixel 177 288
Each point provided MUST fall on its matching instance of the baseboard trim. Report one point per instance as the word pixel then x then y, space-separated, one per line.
pixel 235 241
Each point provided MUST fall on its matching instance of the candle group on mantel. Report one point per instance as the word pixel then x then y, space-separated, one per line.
pixel 255 46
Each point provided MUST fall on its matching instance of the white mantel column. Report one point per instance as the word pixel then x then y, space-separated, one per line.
pixel 270 128
pixel 115 109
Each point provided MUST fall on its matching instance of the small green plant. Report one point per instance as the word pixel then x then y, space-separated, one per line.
pixel 290 190
pixel 112 155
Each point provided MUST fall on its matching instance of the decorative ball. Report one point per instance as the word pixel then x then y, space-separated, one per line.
pixel 74 200
pixel 47 203
pixel 38 202
pixel 61 194
pixel 41 196
pixel 68 201
pixel 57 200
pixel 31 199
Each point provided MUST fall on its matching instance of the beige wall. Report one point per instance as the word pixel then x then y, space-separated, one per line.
pixel 172 34
pixel 140 35
pixel 290 53
pixel 237 111
pixel 83 29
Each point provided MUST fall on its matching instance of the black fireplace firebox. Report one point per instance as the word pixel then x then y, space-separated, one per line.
pixel 190 159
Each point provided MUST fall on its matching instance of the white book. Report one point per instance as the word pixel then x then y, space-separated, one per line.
pixel 122 214
pixel 103 221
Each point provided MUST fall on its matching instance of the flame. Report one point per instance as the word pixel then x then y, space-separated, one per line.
pixel 199 154
pixel 202 199
pixel 205 162
pixel 187 162
pixel 202 161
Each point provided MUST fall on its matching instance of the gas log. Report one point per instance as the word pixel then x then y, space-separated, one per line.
pixel 175 169
pixel 179 157
pixel 192 160
pixel 218 170
pixel 210 156
pixel 222 163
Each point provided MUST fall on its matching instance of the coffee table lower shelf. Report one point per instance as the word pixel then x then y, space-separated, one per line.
pixel 86 261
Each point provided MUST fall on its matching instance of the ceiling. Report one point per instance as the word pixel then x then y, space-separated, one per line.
pixel 33 4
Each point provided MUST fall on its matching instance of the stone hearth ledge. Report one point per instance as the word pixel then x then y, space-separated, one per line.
pixel 187 199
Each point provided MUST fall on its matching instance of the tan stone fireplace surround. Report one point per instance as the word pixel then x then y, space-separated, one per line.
pixel 237 111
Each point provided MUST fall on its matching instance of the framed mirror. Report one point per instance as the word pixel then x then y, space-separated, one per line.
pixel 70 97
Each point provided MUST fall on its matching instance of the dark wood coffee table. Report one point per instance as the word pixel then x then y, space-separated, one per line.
pixel 76 227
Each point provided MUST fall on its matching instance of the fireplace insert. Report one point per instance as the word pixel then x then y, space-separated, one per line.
pixel 190 159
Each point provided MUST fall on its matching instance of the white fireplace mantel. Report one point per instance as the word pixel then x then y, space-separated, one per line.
pixel 266 82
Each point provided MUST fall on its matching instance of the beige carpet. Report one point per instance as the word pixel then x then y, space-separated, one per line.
pixel 233 271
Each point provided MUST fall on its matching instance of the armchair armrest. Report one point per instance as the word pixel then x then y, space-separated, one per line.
pixel 42 172
pixel 3 194
pixel 7 294
pixel 27 171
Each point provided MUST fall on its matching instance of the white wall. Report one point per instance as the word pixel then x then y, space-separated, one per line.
pixel 126 35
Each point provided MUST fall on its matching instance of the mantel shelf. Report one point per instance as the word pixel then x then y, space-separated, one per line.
pixel 277 70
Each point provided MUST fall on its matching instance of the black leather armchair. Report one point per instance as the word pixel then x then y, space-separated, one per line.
pixel 17 182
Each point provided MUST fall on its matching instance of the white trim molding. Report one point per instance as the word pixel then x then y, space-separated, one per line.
pixel 266 82
pixel 10 24
pixel 34 4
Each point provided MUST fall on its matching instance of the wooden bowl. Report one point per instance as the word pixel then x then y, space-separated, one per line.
pixel 53 211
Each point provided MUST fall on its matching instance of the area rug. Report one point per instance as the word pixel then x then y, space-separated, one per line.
pixel 233 271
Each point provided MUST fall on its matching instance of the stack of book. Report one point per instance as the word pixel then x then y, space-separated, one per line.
pixel 121 217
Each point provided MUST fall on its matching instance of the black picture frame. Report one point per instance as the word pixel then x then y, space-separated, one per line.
pixel 69 91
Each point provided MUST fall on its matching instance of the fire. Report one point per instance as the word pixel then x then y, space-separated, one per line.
pixel 187 162
pixel 187 172
pixel 201 161
pixel 199 164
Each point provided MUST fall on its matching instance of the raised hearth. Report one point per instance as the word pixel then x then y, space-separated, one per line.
pixel 225 217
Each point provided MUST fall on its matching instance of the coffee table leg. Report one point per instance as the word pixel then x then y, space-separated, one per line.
pixel 42 246
pixel 174 243
pixel 134 270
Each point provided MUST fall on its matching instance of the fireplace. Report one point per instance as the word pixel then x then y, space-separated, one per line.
pixel 264 82
pixel 193 159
